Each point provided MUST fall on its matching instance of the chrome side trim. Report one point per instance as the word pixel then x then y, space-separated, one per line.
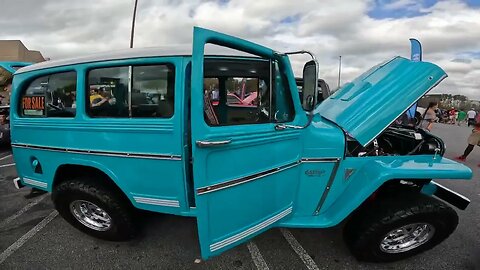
pixel 319 160
pixel 239 236
pixel 239 181
pixel 35 182
pixel 327 188
pixel 158 202
pixel 246 179
pixel 98 153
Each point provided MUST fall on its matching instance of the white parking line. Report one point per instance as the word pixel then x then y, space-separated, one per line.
pixel 5 157
pixel 23 210
pixel 22 240
pixel 301 252
pixel 257 256
pixel 7 165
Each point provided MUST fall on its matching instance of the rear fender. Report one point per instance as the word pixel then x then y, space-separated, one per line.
pixel 377 171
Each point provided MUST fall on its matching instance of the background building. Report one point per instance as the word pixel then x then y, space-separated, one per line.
pixel 14 50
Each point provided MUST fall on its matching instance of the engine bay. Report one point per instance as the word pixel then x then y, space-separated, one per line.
pixel 398 140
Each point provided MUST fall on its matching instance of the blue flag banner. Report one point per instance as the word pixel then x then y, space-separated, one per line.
pixel 416 50
pixel 416 56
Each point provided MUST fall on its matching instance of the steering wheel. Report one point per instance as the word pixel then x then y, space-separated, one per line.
pixel 55 107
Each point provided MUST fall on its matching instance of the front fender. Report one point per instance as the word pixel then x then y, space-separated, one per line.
pixel 376 171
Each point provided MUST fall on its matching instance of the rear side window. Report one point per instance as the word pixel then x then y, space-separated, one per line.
pixel 150 94
pixel 53 95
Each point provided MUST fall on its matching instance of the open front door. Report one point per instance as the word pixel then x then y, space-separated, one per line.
pixel 245 171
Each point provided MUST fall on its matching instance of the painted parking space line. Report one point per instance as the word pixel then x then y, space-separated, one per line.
pixel 5 157
pixel 22 240
pixel 31 204
pixel 301 252
pixel 7 165
pixel 257 256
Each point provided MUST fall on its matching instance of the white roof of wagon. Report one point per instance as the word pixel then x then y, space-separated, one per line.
pixel 180 50
pixel 110 55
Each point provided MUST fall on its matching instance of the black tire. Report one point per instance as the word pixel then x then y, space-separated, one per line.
pixel 115 205
pixel 369 226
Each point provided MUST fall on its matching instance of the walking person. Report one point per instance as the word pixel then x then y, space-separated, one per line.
pixel 473 139
pixel 451 116
pixel 471 117
pixel 462 115
pixel 429 116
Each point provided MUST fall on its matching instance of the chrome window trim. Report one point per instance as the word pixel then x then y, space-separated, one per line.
pixel 98 153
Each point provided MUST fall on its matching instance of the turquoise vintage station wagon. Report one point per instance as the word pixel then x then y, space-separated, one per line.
pixel 110 133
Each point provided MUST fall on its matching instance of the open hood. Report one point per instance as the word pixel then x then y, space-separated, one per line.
pixel 366 106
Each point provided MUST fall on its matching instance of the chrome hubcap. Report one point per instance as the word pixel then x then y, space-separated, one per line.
pixel 90 215
pixel 407 237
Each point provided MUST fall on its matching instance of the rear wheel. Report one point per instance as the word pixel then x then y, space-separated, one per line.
pixel 399 227
pixel 95 209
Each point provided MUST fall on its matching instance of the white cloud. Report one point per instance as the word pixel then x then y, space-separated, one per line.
pixel 403 4
pixel 330 28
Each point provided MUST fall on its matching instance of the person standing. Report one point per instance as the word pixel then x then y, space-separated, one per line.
pixel 462 115
pixel 471 117
pixel 429 116
pixel 473 139
pixel 451 116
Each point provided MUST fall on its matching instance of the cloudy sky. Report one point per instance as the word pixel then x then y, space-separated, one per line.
pixel 363 32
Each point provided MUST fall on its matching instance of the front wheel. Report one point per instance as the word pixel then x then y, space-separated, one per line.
pixel 94 209
pixel 399 228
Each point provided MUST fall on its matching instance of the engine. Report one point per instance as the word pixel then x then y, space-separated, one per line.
pixel 398 141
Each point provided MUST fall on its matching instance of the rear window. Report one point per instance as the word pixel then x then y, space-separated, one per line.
pixel 53 95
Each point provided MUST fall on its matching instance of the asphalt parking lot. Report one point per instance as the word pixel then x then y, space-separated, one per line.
pixel 33 236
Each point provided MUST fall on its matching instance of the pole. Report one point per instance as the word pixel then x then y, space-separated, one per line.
pixel 339 69
pixel 133 23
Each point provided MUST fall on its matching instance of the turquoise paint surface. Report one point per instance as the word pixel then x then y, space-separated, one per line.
pixel 151 178
pixel 233 215
pixel 9 66
pixel 371 102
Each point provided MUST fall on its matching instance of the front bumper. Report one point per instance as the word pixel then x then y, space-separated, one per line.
pixel 454 198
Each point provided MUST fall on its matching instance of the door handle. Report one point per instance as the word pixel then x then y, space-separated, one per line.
pixel 212 143
pixel 284 126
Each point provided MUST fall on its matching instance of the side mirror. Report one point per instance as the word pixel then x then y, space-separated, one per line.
pixel 310 86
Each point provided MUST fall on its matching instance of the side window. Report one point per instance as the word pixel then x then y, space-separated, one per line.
pixel 153 91
pixel 151 94
pixel 107 92
pixel 239 92
pixel 243 91
pixel 50 96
